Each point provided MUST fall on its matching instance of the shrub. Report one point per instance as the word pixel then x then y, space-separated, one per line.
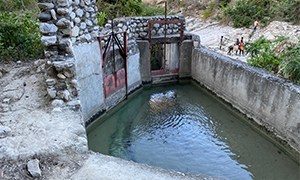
pixel 101 16
pixel 148 10
pixel 244 12
pixel 262 54
pixel 223 3
pixel 278 56
pixel 291 65
pixel 241 13
pixel 120 8
pixel 16 5
pixel 20 37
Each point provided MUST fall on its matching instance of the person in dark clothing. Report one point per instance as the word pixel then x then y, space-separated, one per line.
pixel 236 46
pixel 221 41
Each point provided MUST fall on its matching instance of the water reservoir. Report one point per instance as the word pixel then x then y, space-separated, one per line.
pixel 182 127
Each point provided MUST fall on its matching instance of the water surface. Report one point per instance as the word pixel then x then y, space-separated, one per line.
pixel 181 127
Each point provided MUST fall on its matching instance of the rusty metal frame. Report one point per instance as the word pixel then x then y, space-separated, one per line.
pixel 165 21
pixel 123 51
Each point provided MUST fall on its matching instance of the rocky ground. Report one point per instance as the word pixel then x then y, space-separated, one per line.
pixel 30 128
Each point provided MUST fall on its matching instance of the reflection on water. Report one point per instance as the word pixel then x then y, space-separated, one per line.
pixel 180 127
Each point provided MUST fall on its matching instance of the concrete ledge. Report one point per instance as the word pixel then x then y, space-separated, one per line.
pixel 99 166
pixel 164 78
pixel 269 100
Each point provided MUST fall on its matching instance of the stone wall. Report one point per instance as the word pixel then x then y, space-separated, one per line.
pixel 65 24
pixel 137 27
pixel 74 67
pixel 272 102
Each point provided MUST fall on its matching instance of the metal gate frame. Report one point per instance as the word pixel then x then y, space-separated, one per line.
pixel 123 51
pixel 164 71
pixel 165 21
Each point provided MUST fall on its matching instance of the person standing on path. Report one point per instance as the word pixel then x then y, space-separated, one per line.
pixel 236 46
pixel 221 41
pixel 241 48
pixel 255 25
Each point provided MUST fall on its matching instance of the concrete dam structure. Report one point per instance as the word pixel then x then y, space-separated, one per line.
pixel 87 69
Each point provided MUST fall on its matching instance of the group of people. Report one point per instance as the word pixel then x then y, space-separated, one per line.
pixel 238 46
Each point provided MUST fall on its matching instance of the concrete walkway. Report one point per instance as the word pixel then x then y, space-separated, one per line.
pixel 99 166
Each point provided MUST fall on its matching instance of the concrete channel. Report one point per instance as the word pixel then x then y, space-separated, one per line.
pixel 271 103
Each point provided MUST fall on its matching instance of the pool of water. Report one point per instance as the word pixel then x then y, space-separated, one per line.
pixel 181 127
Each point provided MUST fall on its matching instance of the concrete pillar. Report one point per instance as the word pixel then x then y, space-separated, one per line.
pixel 144 61
pixel 185 59
pixel 172 56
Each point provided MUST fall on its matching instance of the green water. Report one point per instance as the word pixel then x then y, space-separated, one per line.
pixel 181 127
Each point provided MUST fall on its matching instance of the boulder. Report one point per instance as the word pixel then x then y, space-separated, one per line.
pixel 34 168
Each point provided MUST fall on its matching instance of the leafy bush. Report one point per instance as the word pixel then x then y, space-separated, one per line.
pixel 120 8
pixel 20 37
pixel 148 10
pixel 278 56
pixel 241 12
pixel 101 16
pixel 223 3
pixel 16 5
pixel 291 63
pixel 244 12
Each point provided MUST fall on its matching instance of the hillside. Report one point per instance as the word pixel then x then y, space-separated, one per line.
pixel 237 13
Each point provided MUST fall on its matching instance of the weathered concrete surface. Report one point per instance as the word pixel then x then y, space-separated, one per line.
pixel 99 166
pixel 115 97
pixel 90 78
pixel 134 75
pixel 185 59
pixel 172 56
pixel 144 60
pixel 271 101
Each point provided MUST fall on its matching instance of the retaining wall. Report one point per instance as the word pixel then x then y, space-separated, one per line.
pixel 75 76
pixel 269 100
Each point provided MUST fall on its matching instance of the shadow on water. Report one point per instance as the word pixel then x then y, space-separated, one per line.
pixel 181 127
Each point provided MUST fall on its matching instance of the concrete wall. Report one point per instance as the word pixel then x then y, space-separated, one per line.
pixel 134 75
pixel 177 57
pixel 90 78
pixel 271 101
pixel 185 59
pixel 172 56
pixel 144 60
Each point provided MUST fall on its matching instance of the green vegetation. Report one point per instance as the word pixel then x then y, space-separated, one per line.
pixel 126 8
pixel 244 12
pixel 19 30
pixel 279 56
pixel 17 5
pixel 119 8
pixel 149 10
pixel 19 37
pixel 101 16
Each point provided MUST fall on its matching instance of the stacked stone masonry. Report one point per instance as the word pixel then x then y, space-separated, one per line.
pixel 66 22
pixel 69 23
pixel 137 27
